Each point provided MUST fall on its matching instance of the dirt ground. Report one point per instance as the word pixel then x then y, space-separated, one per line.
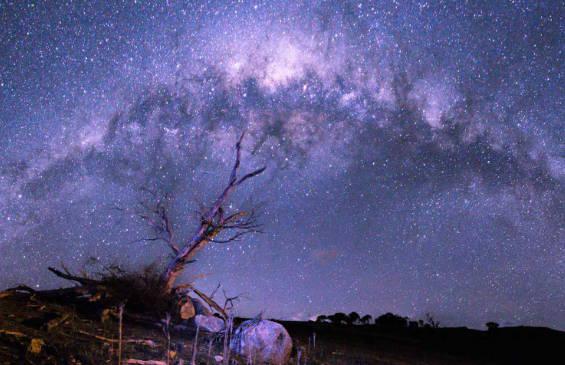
pixel 38 329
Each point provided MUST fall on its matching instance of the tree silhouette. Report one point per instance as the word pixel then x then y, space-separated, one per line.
pixel 353 318
pixel 431 321
pixel 391 321
pixel 322 318
pixel 339 318
pixel 492 326
pixel 366 319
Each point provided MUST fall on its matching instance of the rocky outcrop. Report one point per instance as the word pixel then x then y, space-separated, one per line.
pixel 211 324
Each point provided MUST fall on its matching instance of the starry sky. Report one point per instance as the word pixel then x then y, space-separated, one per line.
pixel 414 149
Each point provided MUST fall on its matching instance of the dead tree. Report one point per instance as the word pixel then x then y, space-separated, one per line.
pixel 214 222
pixel 215 225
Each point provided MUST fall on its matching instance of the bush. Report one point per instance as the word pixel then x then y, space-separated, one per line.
pixel 492 326
pixel 391 321
pixel 141 291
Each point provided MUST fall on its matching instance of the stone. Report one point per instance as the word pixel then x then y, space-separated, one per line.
pixel 192 307
pixel 209 324
pixel 200 307
pixel 187 310
pixel 35 345
pixel 262 341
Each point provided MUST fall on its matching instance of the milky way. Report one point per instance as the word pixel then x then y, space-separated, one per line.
pixel 414 149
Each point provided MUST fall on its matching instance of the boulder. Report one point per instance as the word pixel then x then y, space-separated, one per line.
pixel 262 341
pixel 191 307
pixel 209 324
pixel 187 310
pixel 200 307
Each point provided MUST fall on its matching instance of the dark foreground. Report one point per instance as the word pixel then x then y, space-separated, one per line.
pixel 49 329
pixel 368 344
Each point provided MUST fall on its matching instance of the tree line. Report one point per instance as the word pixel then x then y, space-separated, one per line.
pixel 387 320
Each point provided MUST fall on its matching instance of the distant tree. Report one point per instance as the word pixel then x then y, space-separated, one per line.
pixel 366 319
pixel 338 318
pixel 391 321
pixel 492 326
pixel 322 318
pixel 353 318
pixel 431 321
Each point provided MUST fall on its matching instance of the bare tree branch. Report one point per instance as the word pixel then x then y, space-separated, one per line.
pixel 213 222
pixel 215 290
pixel 156 215
pixel 229 302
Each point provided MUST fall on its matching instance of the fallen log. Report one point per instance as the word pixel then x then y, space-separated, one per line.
pixel 52 324
pixel 78 279
pixel 13 333
pixel 92 283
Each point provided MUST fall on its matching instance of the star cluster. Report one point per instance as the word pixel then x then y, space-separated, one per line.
pixel 413 148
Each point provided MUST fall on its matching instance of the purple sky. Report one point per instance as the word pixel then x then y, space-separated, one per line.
pixel 414 149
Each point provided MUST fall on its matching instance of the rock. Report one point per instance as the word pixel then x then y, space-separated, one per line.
pixel 210 324
pixel 35 345
pixel 200 307
pixel 191 307
pixel 262 341
pixel 187 310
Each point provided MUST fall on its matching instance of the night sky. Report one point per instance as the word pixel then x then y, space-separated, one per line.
pixel 414 149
